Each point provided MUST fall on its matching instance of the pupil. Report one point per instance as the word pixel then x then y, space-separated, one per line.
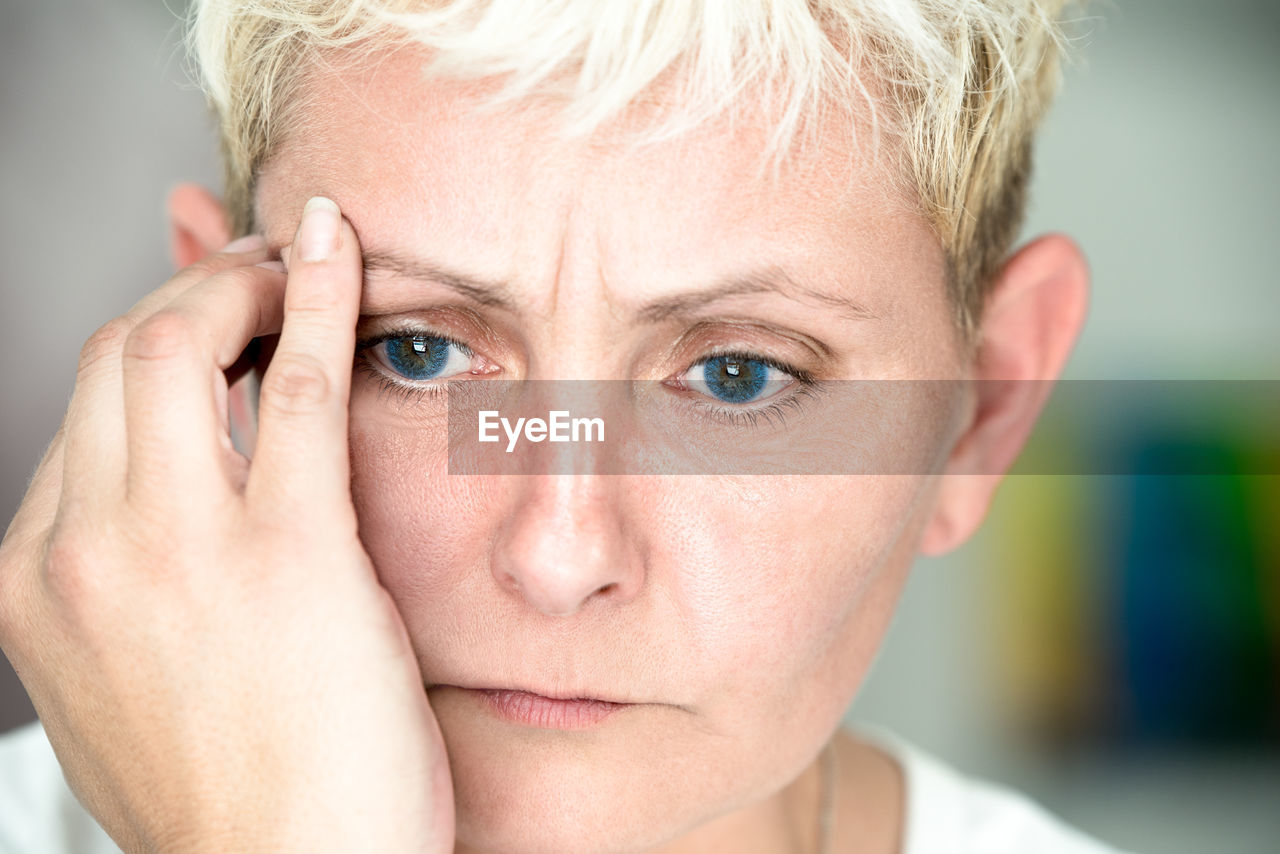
pixel 735 380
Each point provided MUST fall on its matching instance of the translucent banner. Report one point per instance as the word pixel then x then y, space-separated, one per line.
pixel 848 427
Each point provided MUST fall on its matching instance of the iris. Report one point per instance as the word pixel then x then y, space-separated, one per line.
pixel 734 379
pixel 418 357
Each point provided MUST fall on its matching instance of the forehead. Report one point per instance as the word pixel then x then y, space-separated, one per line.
pixel 417 167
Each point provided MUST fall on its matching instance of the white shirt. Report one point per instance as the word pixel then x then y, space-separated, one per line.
pixel 949 813
pixel 946 813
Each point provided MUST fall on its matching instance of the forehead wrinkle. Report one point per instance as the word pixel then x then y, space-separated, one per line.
pixel 770 279
pixel 807 181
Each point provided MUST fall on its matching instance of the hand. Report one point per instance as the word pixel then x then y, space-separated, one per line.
pixel 203 636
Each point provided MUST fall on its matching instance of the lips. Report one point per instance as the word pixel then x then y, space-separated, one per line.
pixel 540 710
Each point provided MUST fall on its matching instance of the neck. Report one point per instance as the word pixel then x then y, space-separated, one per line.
pixel 867 814
pixel 785 823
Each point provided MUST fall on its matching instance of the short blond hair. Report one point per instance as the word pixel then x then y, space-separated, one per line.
pixel 963 83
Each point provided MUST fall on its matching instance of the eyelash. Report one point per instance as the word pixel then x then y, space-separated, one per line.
pixel 737 416
pixel 406 392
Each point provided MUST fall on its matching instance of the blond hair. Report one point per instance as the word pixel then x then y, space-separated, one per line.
pixel 963 83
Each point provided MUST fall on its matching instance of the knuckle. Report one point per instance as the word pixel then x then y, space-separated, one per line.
pixel 164 336
pixel 105 343
pixel 68 568
pixel 294 383
pixel 86 562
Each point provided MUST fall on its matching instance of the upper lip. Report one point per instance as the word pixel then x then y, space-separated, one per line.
pixel 551 695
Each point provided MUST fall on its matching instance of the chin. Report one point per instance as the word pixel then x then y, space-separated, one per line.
pixel 603 791
pixel 548 811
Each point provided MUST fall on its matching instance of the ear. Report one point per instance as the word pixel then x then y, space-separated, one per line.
pixel 198 224
pixel 1031 320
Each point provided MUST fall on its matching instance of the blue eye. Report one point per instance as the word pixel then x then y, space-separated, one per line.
pixel 737 379
pixel 423 357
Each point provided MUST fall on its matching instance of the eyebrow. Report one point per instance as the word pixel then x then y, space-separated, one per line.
pixel 769 279
pixel 481 291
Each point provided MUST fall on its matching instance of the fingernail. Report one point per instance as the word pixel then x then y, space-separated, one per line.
pixel 248 243
pixel 318 232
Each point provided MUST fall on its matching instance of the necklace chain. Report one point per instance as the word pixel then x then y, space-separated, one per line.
pixel 827 808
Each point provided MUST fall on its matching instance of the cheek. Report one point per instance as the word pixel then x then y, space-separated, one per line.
pixel 415 518
pixel 788 585
pixel 788 579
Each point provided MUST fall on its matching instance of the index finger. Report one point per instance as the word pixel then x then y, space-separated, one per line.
pixel 301 457
pixel 174 385
pixel 94 428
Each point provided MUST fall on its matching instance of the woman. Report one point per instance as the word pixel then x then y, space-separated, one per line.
pixel 335 641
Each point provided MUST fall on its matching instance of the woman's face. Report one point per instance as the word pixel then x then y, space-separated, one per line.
pixel 738 614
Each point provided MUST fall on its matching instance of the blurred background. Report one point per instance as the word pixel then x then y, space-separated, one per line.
pixel 1109 644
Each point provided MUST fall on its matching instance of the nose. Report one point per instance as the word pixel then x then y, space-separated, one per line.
pixel 564 545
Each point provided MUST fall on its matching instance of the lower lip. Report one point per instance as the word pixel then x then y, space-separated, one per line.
pixel 536 710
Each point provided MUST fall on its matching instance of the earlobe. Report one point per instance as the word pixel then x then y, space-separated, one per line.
pixel 1032 319
pixel 198 224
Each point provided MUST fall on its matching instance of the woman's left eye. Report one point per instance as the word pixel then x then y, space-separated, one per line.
pixel 737 378
pixel 422 357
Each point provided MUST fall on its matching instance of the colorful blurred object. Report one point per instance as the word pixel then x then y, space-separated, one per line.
pixel 1141 607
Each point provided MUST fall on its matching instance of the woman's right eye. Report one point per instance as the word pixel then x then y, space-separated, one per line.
pixel 422 357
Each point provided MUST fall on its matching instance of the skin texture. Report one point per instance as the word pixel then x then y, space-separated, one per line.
pixel 745 643
pixel 740 614
pixel 733 630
